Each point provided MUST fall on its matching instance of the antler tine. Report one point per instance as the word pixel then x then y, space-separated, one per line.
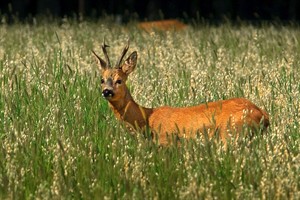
pixel 105 53
pixel 123 54
pixel 96 55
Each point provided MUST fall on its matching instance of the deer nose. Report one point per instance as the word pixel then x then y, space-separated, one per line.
pixel 107 93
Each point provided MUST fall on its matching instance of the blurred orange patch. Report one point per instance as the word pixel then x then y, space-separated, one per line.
pixel 162 25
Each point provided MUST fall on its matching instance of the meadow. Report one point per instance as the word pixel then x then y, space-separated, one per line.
pixel 60 140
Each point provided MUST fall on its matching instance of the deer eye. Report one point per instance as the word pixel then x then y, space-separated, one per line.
pixel 118 81
pixel 102 80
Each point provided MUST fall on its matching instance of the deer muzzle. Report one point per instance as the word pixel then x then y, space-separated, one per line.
pixel 107 93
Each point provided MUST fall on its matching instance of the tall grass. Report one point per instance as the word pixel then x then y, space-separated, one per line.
pixel 59 140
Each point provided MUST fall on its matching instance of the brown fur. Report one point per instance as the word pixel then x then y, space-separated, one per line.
pixel 225 116
pixel 162 25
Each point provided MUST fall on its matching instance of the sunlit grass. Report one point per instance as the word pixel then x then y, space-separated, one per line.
pixel 59 140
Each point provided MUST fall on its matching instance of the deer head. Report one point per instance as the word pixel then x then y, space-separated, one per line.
pixel 113 81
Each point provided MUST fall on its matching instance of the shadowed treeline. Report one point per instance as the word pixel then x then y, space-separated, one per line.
pixel 157 9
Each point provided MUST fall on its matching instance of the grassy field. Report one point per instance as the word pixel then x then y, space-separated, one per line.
pixel 59 140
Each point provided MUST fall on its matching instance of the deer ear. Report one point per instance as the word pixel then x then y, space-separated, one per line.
pixel 101 63
pixel 130 63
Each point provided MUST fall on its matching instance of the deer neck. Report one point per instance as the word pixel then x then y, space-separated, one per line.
pixel 129 111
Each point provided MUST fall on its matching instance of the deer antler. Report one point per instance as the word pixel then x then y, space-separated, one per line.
pixel 105 54
pixel 122 55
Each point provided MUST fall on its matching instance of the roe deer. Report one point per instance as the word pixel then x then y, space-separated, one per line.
pixel 221 116
pixel 162 25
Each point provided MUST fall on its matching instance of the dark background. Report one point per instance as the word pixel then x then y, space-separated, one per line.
pixel 282 10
